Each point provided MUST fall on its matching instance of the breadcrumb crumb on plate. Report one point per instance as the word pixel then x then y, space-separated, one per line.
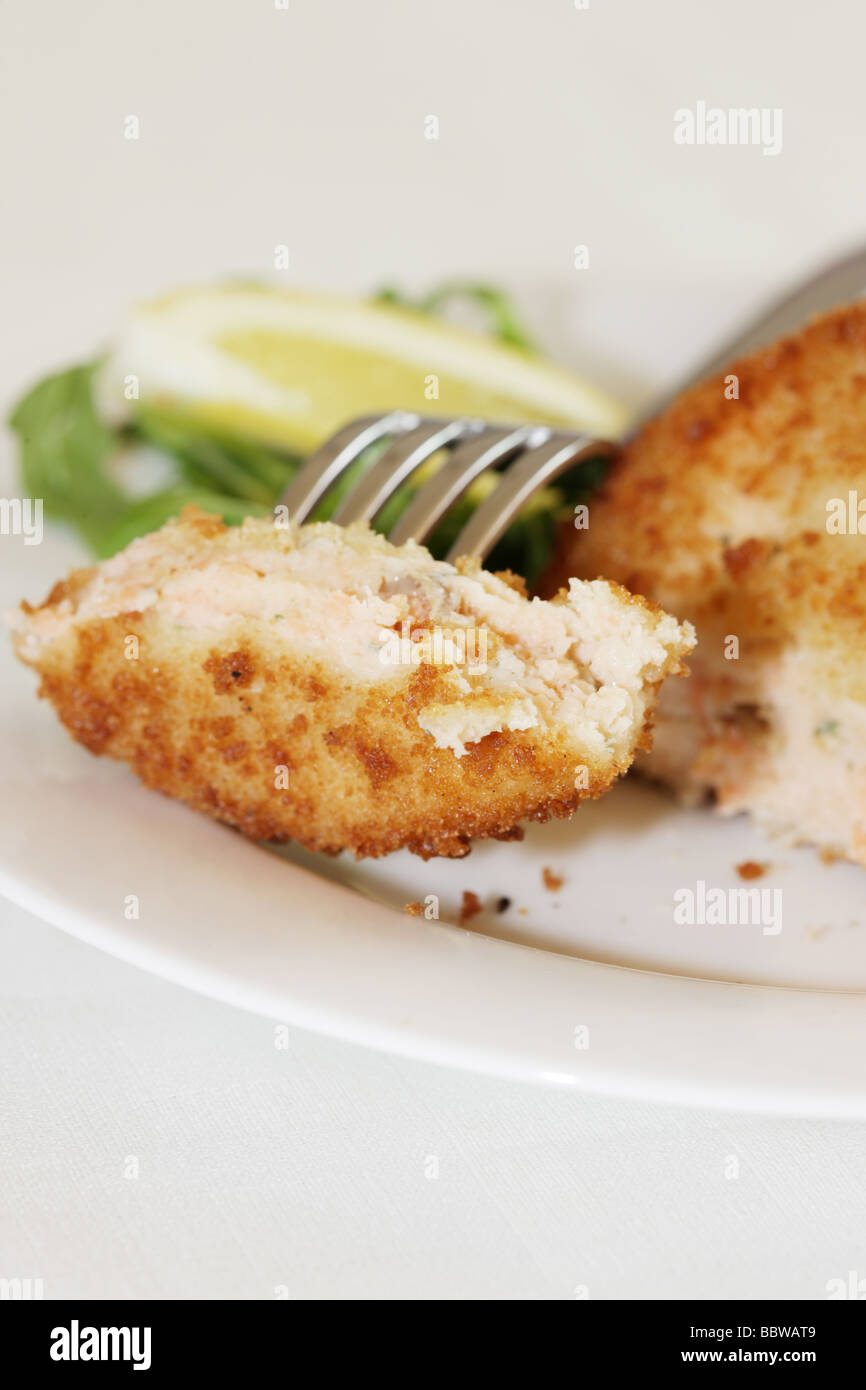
pixel 470 907
pixel 750 869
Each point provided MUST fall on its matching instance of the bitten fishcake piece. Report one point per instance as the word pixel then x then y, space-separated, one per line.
pixel 743 508
pixel 318 684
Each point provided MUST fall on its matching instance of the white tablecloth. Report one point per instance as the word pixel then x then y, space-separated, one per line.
pixel 311 1171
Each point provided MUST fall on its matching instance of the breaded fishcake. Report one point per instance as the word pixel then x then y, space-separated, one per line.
pixel 738 509
pixel 318 684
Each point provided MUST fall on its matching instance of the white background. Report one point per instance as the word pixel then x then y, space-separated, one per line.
pixel 308 1168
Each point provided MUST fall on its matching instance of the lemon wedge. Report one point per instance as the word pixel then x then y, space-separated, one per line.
pixel 289 367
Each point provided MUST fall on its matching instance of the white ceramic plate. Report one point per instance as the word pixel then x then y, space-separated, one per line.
pixel 594 986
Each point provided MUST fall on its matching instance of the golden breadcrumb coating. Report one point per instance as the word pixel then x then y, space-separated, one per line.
pixel 279 681
pixel 734 508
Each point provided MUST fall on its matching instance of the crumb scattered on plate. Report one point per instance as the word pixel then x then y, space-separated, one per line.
pixel 503 904
pixel 815 933
pixel 413 909
pixel 471 907
pixel 750 868
pixel 552 882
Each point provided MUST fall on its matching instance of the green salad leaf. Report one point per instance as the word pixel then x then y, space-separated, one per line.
pixel 70 457
pixel 66 451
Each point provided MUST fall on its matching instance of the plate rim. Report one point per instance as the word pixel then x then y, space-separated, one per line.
pixel 673 1063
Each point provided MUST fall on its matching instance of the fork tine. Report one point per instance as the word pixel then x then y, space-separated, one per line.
pixel 539 454
pixel 534 468
pixel 467 462
pixel 324 467
pixel 397 463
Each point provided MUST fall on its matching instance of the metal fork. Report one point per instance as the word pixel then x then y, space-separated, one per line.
pixel 534 454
